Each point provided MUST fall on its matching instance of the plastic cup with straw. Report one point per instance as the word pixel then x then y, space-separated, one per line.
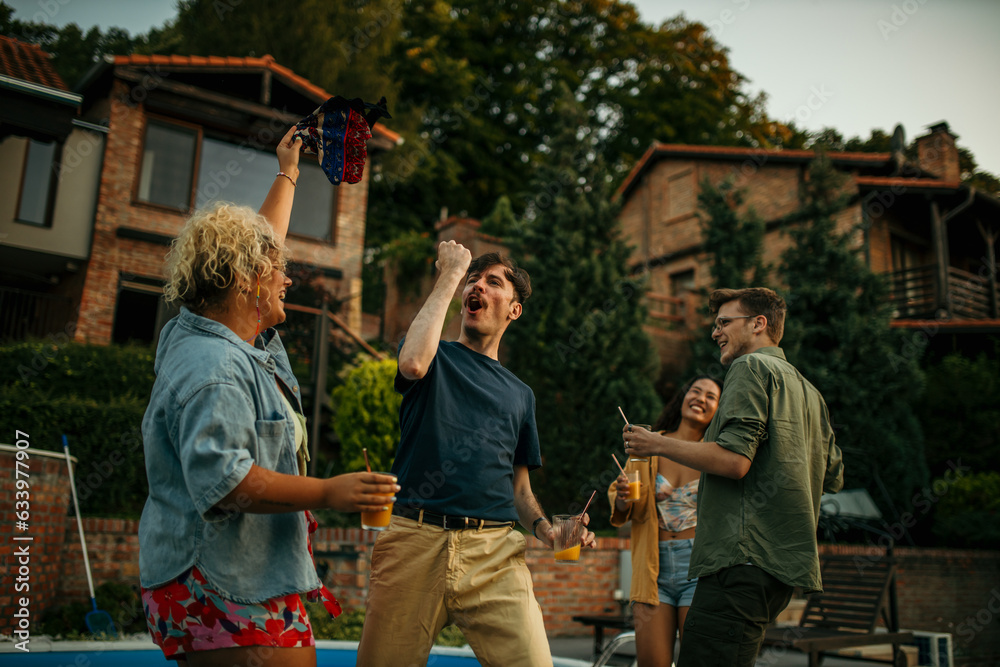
pixel 633 482
pixel 567 534
pixel 377 519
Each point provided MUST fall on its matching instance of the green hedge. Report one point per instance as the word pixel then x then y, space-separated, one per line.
pixel 96 395
pixel 98 372
pixel 968 514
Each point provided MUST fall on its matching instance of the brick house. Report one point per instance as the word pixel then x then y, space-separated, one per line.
pixel 933 236
pixel 180 132
pixel 48 196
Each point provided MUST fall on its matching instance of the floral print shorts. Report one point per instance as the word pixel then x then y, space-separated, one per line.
pixel 186 615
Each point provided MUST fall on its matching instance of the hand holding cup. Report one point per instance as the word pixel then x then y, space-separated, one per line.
pixel 639 440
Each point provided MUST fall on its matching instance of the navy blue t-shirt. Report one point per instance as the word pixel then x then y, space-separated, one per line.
pixel 465 425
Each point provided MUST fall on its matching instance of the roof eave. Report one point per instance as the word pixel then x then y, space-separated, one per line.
pixel 41 91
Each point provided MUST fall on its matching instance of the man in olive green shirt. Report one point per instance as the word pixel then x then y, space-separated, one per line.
pixel 767 457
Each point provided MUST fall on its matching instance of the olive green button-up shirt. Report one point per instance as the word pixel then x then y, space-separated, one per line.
pixel 772 415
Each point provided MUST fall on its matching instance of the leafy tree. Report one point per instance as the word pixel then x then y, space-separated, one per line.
pixel 579 343
pixel 367 416
pixel 878 142
pixel 960 413
pixel 501 220
pixel 336 45
pixel 968 510
pixel 837 333
pixel 734 241
pixel 975 177
pixel 827 139
pixel 485 87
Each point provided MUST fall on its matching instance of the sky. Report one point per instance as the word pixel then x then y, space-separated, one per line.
pixel 854 65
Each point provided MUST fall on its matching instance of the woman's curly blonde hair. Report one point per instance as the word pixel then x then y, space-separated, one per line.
pixel 220 248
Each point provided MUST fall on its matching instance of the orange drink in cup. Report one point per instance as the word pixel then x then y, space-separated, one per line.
pixel 637 471
pixel 379 519
pixel 634 485
pixel 567 530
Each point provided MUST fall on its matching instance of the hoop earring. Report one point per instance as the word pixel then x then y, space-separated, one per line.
pixel 254 336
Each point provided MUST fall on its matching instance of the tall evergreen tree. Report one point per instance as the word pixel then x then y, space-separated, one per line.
pixel 734 240
pixel 580 343
pixel 837 333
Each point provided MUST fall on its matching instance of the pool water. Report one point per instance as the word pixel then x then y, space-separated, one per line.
pixel 329 653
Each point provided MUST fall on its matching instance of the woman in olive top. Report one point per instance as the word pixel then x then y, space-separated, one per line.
pixel 663 525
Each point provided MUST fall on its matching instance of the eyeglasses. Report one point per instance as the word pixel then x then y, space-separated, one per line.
pixel 722 322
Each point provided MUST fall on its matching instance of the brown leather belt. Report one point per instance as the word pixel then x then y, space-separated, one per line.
pixel 685 534
pixel 448 522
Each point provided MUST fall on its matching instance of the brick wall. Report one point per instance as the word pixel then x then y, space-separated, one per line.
pixel 37 575
pixel 939 590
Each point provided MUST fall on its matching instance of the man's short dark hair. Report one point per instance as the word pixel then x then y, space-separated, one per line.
pixel 517 276
pixel 754 301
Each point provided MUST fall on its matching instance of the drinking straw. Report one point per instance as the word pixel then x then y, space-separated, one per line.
pixel 619 465
pixel 364 450
pixel 588 503
pixel 623 415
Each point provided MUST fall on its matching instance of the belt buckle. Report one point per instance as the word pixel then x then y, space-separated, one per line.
pixel 454 522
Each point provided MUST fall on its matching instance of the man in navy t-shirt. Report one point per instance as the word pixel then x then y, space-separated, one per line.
pixel 468 441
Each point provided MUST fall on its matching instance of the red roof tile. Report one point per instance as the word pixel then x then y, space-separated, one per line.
pixel 738 153
pixel 266 62
pixel 20 60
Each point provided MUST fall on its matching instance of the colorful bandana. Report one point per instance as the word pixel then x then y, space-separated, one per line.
pixel 338 133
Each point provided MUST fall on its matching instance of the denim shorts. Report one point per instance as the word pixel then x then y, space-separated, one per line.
pixel 673 584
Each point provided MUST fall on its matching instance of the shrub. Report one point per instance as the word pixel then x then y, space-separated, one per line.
pixel 367 416
pixel 968 514
pixel 99 372
pixel 94 394
pixel 121 601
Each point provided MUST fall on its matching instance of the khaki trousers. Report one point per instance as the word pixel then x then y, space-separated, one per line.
pixel 424 577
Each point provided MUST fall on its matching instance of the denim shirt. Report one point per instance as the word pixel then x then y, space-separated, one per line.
pixel 215 410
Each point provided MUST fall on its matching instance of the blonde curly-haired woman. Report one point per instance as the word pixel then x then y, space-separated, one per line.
pixel 224 538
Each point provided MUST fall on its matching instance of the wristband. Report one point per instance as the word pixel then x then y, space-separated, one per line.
pixel 534 526
pixel 281 173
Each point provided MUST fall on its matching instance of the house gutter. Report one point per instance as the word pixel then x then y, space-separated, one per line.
pixel 38 90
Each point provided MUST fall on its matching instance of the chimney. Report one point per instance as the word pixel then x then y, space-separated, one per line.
pixel 937 153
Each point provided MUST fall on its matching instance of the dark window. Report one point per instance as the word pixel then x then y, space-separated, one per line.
pixel 316 219
pixel 681 282
pixel 237 174
pixel 244 175
pixel 36 186
pixel 140 313
pixel 167 165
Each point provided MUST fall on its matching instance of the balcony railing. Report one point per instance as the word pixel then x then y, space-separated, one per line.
pixel 915 294
pixel 32 315
pixel 678 311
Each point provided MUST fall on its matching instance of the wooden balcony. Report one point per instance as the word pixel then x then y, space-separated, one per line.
pixel 915 294
pixel 672 312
